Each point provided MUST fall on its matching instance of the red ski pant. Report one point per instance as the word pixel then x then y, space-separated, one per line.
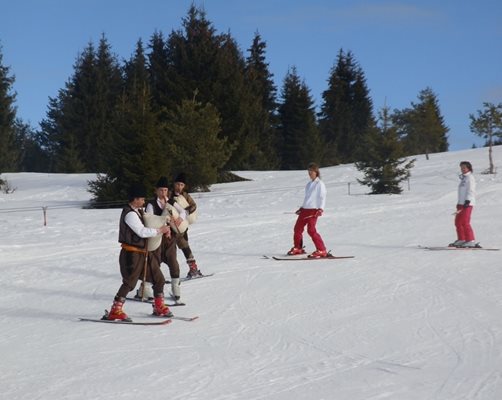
pixel 463 223
pixel 307 217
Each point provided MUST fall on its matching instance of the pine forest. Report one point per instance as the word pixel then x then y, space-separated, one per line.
pixel 192 101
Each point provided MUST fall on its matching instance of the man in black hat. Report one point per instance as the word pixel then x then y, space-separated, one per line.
pixel 178 194
pixel 133 257
pixel 167 250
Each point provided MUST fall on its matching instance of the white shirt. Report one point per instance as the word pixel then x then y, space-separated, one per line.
pixel 134 222
pixel 467 189
pixel 315 195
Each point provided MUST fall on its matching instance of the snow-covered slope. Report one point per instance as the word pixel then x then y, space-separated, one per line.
pixel 396 322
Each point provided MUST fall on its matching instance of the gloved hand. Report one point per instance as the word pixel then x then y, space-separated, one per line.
pixel 297 212
pixel 467 203
pixel 319 212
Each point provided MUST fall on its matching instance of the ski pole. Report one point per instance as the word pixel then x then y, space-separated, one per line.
pixel 144 277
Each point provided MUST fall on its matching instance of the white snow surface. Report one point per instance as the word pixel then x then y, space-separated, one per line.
pixel 395 322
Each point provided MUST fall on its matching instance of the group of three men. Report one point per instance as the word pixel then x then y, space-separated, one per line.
pixel 137 262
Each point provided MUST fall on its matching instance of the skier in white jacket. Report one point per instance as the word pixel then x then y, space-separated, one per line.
pixel 311 209
pixel 465 203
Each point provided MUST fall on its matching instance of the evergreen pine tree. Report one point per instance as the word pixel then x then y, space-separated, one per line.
pixel 488 125
pixel 79 126
pixel 346 114
pixel 195 146
pixel 382 164
pixel 107 89
pixel 263 115
pixel 300 139
pixel 60 132
pixel 422 126
pixel 32 155
pixel 8 151
pixel 158 66
pixel 69 159
pixel 211 65
pixel 138 152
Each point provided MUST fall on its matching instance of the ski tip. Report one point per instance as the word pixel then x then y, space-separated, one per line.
pixel 188 319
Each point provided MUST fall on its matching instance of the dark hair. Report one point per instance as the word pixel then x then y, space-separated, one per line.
pixel 466 164
pixel 314 167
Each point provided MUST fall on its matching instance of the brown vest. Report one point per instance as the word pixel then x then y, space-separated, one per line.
pixel 126 234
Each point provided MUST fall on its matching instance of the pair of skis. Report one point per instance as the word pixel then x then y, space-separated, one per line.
pixel 163 322
pixel 121 322
pixel 305 257
pixel 128 321
pixel 439 248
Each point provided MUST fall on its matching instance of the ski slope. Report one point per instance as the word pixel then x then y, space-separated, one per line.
pixel 395 322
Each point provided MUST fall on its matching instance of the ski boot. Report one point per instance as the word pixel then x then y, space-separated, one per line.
pixel 175 289
pixel 144 292
pixel 295 251
pixel 116 312
pixel 457 243
pixel 193 272
pixel 470 245
pixel 160 309
pixel 319 254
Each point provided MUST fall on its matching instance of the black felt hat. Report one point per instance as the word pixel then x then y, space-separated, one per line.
pixel 162 182
pixel 181 178
pixel 136 190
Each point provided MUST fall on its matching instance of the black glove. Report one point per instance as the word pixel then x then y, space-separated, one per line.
pixel 467 203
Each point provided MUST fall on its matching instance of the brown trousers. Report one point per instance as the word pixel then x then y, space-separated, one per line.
pixel 166 253
pixel 182 243
pixel 132 268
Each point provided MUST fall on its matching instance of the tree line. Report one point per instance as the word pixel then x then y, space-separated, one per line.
pixel 192 101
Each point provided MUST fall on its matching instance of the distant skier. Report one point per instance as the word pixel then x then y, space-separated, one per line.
pixel 133 236
pixel 465 203
pixel 311 209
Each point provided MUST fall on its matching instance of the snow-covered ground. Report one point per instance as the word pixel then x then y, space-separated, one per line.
pixel 397 322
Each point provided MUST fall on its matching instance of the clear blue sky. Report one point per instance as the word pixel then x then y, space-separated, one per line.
pixel 451 46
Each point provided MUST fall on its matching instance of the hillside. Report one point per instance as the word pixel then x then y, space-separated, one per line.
pixel 396 322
